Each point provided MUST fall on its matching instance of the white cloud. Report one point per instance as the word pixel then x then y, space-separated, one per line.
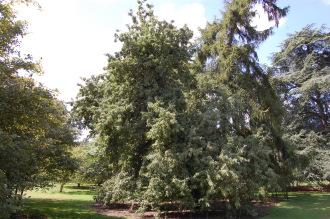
pixel 69 46
pixel 261 19
pixel 326 2
pixel 191 14
pixel 72 37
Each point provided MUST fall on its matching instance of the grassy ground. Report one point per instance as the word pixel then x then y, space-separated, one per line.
pixel 76 203
pixel 70 204
pixel 302 206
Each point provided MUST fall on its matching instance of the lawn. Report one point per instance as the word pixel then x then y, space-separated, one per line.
pixel 76 203
pixel 71 203
pixel 308 205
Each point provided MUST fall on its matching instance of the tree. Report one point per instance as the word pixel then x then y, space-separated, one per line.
pixel 85 111
pixel 35 130
pixel 91 168
pixel 68 167
pixel 140 112
pixel 171 127
pixel 238 96
pixel 302 73
pixel 35 134
pixel 228 48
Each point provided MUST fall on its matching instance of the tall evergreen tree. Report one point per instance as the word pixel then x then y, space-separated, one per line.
pixel 227 56
pixel 229 46
pixel 302 75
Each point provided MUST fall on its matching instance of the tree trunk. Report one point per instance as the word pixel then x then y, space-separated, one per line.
pixel 22 192
pixel 62 186
pixel 132 207
pixel 21 196
pixel 78 184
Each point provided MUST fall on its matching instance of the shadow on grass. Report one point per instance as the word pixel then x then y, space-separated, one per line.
pixel 310 201
pixel 81 192
pixel 303 206
pixel 82 187
pixel 64 209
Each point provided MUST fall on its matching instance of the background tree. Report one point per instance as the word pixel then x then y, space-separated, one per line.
pixel 91 167
pixel 35 131
pixel 228 49
pixel 302 75
pixel 68 167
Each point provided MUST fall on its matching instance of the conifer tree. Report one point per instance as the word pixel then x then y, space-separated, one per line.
pixel 230 45
pixel 302 76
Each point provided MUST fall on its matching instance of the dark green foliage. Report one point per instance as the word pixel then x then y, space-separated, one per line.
pixel 5 205
pixel 302 77
pixel 88 102
pixel 251 122
pixel 35 133
pixel 303 67
pixel 92 169
pixel 228 49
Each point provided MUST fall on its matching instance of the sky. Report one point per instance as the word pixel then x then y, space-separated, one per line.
pixel 71 37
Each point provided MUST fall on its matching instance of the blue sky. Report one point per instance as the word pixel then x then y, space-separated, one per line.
pixel 302 13
pixel 71 37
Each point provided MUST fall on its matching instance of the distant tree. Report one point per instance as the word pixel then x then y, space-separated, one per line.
pixel 91 169
pixel 86 110
pixel 302 75
pixel 67 167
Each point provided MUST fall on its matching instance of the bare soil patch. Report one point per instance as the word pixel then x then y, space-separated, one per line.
pixel 123 210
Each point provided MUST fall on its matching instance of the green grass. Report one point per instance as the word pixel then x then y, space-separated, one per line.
pixel 71 203
pixel 76 203
pixel 302 206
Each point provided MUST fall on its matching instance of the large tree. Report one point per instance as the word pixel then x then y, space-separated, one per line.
pixel 228 49
pixel 35 132
pixel 171 127
pixel 250 123
pixel 302 75
pixel 138 113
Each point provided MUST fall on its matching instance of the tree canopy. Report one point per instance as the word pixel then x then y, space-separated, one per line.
pixel 302 77
pixel 35 130
pixel 184 123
